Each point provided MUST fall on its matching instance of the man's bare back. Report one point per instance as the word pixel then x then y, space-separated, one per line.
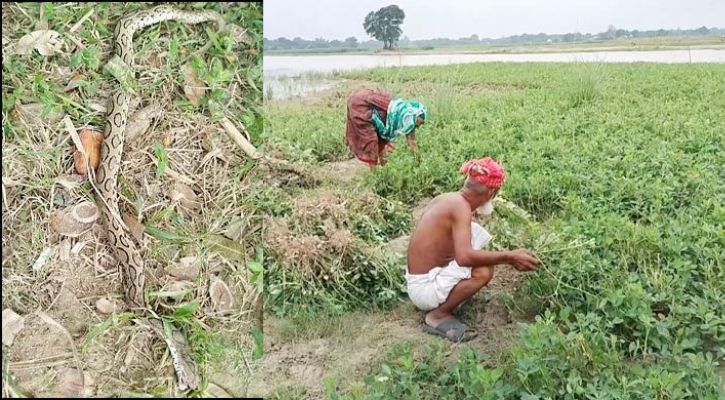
pixel 431 244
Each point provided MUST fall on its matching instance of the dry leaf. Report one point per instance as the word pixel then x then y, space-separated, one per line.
pixel 240 35
pixel 105 306
pixel 73 83
pixel 221 296
pixel 70 383
pixel 8 48
pixel 185 196
pixel 229 249
pixel 92 141
pixel 136 228
pixel 64 248
pixel 194 88
pixel 42 259
pixel 65 223
pixel 235 228
pixel 77 248
pixel 141 120
pixel 97 106
pixel 187 268
pixel 12 325
pixel 175 290
pixel 47 43
pixel 32 114
pixel 70 182
pixel 217 392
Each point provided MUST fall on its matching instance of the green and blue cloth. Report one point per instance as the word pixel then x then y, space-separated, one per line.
pixel 400 119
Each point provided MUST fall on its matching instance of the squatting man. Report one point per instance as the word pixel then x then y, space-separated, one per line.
pixel 446 263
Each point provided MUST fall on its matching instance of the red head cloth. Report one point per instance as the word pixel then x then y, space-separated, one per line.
pixel 485 171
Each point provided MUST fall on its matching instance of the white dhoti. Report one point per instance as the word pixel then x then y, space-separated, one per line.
pixel 428 291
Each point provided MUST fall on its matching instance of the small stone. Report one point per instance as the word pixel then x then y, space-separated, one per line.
pixel 187 268
pixel 105 306
pixel 221 296
pixel 12 325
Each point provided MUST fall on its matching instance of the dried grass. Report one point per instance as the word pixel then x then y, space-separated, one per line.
pixel 82 270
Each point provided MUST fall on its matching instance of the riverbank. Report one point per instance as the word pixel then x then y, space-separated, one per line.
pixel 641 44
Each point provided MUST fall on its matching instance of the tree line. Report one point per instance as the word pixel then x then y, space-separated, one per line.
pixel 611 33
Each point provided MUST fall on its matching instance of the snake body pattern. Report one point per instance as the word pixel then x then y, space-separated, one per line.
pixel 126 251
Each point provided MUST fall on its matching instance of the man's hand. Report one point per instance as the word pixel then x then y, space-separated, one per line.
pixel 523 260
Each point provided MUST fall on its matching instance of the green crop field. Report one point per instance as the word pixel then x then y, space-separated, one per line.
pixel 621 170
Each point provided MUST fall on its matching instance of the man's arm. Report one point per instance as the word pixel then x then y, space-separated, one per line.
pixel 465 255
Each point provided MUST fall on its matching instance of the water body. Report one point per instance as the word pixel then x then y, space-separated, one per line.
pixel 285 75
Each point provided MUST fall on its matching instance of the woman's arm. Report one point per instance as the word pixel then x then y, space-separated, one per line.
pixel 410 140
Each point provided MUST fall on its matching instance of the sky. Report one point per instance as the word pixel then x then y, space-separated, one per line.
pixel 428 19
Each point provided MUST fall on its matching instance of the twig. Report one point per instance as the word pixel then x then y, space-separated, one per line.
pixel 173 174
pixel 39 360
pixel 50 321
pixel 75 41
pixel 253 153
pixel 240 140
pixel 5 197
pixel 246 364
pixel 81 21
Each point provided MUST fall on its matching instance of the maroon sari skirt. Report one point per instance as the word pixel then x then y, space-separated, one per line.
pixel 361 136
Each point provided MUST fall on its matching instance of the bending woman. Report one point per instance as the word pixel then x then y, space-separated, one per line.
pixel 375 118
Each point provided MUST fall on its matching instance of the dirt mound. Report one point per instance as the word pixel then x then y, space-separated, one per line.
pixel 344 356
pixel 348 171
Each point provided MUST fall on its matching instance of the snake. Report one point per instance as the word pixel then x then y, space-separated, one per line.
pixel 127 253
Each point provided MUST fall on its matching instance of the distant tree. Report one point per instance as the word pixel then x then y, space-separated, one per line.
pixel 611 32
pixel 351 41
pixel 384 25
pixel 299 43
pixel 320 43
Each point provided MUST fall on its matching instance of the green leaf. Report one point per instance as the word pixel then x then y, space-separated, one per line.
pixel 228 248
pixel 187 309
pixel 164 235
pixel 122 72
pixel 255 266
pixel 258 352
pixel 160 152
